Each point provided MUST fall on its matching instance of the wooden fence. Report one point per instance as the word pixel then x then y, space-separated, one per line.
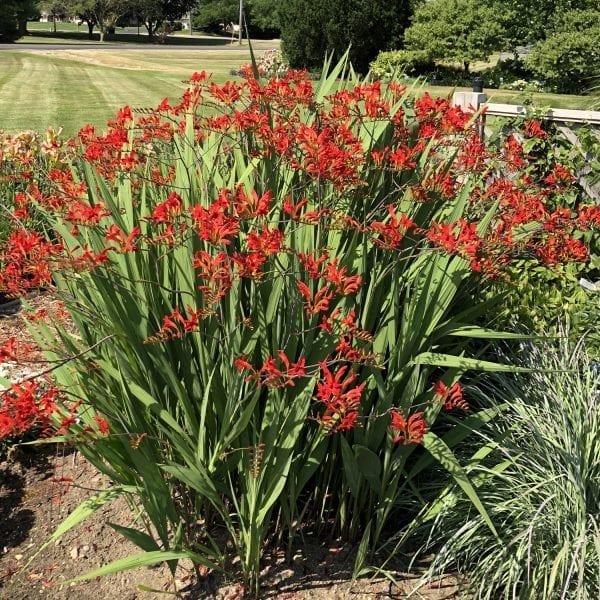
pixel 568 121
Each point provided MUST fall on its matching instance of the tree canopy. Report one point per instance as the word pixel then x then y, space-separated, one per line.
pixel 310 29
pixel 455 30
pixel 529 21
pixel 13 18
pixel 260 15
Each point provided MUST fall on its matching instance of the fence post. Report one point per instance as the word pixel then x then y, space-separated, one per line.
pixel 473 101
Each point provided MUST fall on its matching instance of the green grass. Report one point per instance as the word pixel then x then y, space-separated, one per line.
pixel 540 100
pixel 69 88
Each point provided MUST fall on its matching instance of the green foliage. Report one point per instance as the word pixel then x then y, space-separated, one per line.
pixel 455 30
pixel 9 30
pixel 264 14
pixel 212 15
pixel 261 16
pixel 538 471
pixel 310 30
pixel 411 62
pixel 506 72
pixel 568 61
pixel 530 21
pixel 538 298
pixel 198 439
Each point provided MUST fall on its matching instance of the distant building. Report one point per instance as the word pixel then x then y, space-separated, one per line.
pixel 46 17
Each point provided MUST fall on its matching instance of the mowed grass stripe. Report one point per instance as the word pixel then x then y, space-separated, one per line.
pixel 41 90
pixel 118 88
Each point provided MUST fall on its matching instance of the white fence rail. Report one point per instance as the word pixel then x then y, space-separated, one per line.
pixel 478 100
pixel 568 121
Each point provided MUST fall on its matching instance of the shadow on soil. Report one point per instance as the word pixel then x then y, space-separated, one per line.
pixel 18 468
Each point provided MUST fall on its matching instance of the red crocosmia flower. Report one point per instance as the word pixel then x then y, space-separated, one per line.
pixel 534 129
pixel 199 77
pixel 125 243
pixel 228 93
pixel 312 264
pixel 241 363
pixel 175 325
pixel 268 241
pixel 560 175
pixel 403 158
pixel 255 206
pixel 345 284
pixel 392 232
pixel 294 210
pixel 164 106
pixel 452 396
pixel 409 431
pixel 271 374
pixel 214 225
pixel 84 214
pixel 317 303
pixel 341 397
pixel 102 425
pixel 336 390
pixel 216 272
pixel 13 350
pixel 165 211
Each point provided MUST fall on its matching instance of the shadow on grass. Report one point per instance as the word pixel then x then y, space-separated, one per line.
pixel 125 38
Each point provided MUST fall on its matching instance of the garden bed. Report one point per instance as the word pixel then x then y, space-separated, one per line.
pixel 36 496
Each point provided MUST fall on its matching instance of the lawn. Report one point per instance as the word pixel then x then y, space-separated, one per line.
pixel 69 88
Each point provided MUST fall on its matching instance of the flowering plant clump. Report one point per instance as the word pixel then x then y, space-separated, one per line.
pixel 272 64
pixel 269 301
pixel 541 296
pixel 25 159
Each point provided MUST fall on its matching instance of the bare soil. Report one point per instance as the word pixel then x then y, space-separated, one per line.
pixel 41 485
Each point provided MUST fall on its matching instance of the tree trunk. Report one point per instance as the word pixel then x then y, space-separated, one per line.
pixel 102 31
pixel 90 25
pixel 466 66
pixel 23 24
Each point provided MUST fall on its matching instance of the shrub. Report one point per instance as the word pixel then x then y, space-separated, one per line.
pixel 511 73
pixel 411 62
pixel 311 30
pixel 538 297
pixel 568 61
pixel 270 305
pixel 542 491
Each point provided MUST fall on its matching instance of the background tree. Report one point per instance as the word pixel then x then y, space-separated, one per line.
pixel 455 30
pixel 84 11
pixel 154 13
pixel 529 21
pixel 213 15
pixel 8 21
pixel 57 9
pixel 310 29
pixel 13 18
pixel 102 14
pixel 569 58
pixel 262 16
